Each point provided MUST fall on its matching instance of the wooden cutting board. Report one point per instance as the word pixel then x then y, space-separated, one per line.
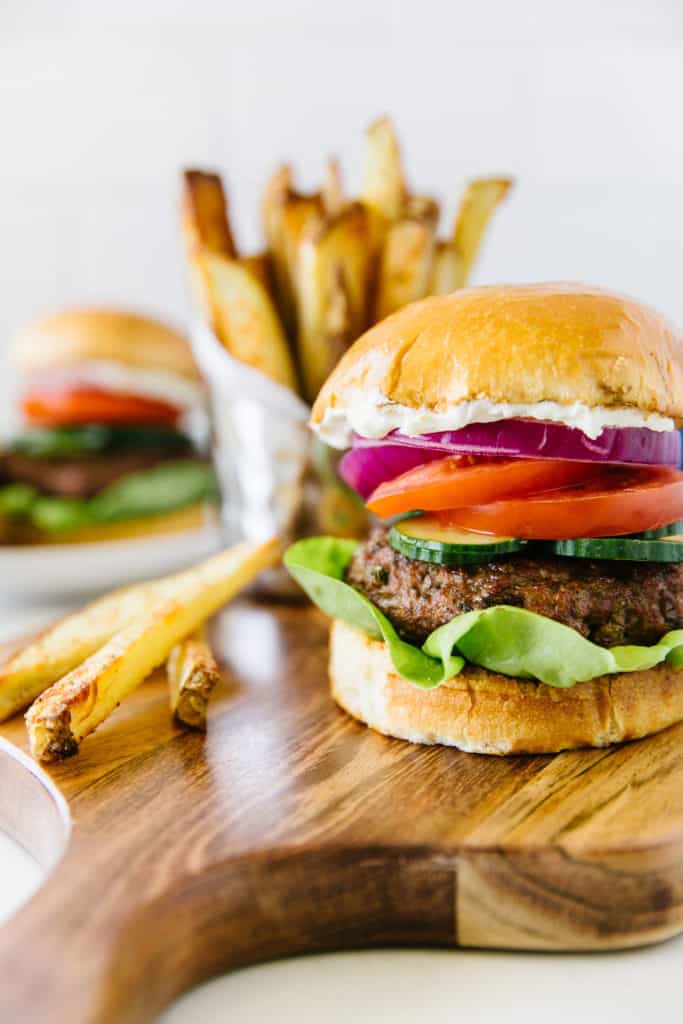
pixel 290 828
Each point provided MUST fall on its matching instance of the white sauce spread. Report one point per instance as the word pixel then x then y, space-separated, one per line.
pixel 163 385
pixel 372 415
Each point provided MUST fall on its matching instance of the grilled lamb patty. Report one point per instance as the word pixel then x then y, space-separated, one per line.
pixel 609 602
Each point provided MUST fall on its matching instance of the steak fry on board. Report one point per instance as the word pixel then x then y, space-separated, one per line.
pixel 74 706
pixel 192 675
pixel 26 673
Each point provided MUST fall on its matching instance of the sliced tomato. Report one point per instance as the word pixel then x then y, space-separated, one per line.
pixel 619 501
pixel 465 480
pixel 94 405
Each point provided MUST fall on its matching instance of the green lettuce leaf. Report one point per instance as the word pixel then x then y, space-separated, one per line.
pixel 149 492
pixel 318 565
pixel 512 641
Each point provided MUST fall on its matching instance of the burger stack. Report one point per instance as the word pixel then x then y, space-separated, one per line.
pixel 523 591
pixel 108 400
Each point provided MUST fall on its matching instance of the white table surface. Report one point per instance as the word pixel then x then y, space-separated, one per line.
pixel 405 986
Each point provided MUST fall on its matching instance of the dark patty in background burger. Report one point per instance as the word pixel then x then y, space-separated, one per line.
pixel 80 477
pixel 611 603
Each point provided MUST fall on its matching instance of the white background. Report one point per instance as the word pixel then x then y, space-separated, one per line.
pixel 102 102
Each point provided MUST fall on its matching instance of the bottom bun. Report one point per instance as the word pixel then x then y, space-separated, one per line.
pixel 191 517
pixel 485 713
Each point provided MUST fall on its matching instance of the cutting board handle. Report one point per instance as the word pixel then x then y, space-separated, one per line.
pixel 119 929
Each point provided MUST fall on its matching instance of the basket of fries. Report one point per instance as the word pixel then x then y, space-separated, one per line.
pixel 271 327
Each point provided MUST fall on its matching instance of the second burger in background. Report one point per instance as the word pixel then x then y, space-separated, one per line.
pixel 108 400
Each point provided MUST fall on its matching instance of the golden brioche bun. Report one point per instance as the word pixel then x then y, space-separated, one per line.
pixel 82 335
pixel 561 343
pixel 485 713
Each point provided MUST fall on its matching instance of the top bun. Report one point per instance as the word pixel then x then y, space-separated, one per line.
pixel 87 335
pixel 513 345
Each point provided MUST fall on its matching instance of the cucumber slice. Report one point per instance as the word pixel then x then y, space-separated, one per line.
pixel 62 442
pixel 426 540
pixel 97 439
pixel 627 549
pixel 662 531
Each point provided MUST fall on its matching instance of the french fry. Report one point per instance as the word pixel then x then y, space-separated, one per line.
pixel 422 208
pixel 480 199
pixel 300 215
pixel 192 674
pixel 65 645
pixel 384 189
pixel 205 213
pixel 406 260
pixel 332 192
pixel 75 705
pixel 333 279
pixel 445 272
pixel 244 317
pixel 259 265
pixel 277 191
pixel 205 225
pixel 287 215
pixel 60 648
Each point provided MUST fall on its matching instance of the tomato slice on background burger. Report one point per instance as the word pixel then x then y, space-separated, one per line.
pixel 95 405
pixel 615 503
pixel 460 481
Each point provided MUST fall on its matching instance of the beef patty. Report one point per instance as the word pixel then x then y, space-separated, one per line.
pixel 77 477
pixel 609 602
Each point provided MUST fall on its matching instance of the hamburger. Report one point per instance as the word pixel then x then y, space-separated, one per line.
pixel 523 590
pixel 109 403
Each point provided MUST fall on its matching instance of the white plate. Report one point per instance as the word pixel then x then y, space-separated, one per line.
pixel 48 571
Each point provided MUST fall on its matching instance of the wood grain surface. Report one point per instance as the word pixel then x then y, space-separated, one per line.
pixel 290 828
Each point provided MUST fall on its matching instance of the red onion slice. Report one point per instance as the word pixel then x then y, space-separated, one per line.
pixel 364 469
pixel 630 446
pixel 372 461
